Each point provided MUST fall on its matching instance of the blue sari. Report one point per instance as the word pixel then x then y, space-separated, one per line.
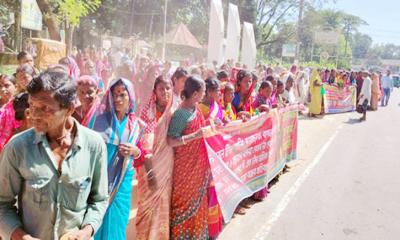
pixel 120 168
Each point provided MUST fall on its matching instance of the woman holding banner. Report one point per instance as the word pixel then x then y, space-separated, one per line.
pixel 121 130
pixel 155 175
pixel 191 175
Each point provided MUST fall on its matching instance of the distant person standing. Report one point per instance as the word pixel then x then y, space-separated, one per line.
pixel 365 94
pixel 387 87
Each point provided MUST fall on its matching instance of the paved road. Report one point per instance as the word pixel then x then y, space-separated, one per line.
pixel 345 185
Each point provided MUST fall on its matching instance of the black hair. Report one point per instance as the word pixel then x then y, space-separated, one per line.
pixel 212 84
pixel 222 74
pixel 60 84
pixel 254 77
pixel 241 75
pixel 22 55
pixel 229 85
pixel 265 84
pixel 20 104
pixel 160 79
pixel 118 83
pixel 64 61
pixel 270 78
pixel 280 83
pixel 290 78
pixel 8 78
pixel 26 68
pixel 179 72
pixel 192 84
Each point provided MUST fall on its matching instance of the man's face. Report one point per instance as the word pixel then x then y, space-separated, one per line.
pixel 45 112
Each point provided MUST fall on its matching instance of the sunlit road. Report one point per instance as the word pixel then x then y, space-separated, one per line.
pixel 345 185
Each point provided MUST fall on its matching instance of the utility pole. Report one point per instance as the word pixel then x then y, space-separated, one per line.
pixel 132 17
pixel 165 31
pixel 299 31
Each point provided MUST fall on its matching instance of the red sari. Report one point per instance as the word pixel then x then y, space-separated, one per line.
pixel 190 183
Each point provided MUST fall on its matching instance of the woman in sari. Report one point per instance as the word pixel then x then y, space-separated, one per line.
pixel 155 175
pixel 121 130
pixel 7 89
pixel 8 123
pixel 243 100
pixel 213 113
pixel 229 111
pixel 376 92
pixel 210 107
pixel 316 94
pixel 88 91
pixel 191 175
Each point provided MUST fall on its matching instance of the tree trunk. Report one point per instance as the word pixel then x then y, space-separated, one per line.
pixel 49 19
pixel 18 32
pixel 69 36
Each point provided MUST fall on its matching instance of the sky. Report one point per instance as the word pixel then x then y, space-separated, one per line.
pixel 383 17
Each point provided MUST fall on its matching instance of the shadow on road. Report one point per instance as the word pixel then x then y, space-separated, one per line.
pixel 353 121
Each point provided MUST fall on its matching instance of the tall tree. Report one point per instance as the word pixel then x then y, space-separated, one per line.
pixel 67 12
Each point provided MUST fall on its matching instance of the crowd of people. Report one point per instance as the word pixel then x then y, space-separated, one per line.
pixel 74 136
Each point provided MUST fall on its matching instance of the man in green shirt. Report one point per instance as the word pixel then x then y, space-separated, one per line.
pixel 57 170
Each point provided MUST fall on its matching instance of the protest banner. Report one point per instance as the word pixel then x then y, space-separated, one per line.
pixel 339 100
pixel 245 156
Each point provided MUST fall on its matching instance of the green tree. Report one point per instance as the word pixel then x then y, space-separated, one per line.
pixel 67 12
pixel 361 45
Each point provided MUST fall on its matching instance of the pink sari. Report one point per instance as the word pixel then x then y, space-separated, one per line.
pixel 7 123
pixel 152 220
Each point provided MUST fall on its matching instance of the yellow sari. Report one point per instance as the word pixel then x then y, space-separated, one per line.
pixel 315 91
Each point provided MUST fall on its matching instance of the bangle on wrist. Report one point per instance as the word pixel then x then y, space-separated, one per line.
pixel 140 154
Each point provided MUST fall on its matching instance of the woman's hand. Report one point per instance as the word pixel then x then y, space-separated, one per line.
pixel 245 116
pixel 263 108
pixel 83 234
pixel 127 149
pixel 148 167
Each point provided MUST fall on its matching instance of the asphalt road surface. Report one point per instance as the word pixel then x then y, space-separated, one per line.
pixel 345 184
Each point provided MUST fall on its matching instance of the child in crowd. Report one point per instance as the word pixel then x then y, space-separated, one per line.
pixel 280 89
pixel 223 76
pixel 210 107
pixel 229 111
pixel 262 101
pixel 21 107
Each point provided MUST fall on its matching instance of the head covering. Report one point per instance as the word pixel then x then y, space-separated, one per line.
pixel 86 79
pixel 107 123
pixel 116 132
